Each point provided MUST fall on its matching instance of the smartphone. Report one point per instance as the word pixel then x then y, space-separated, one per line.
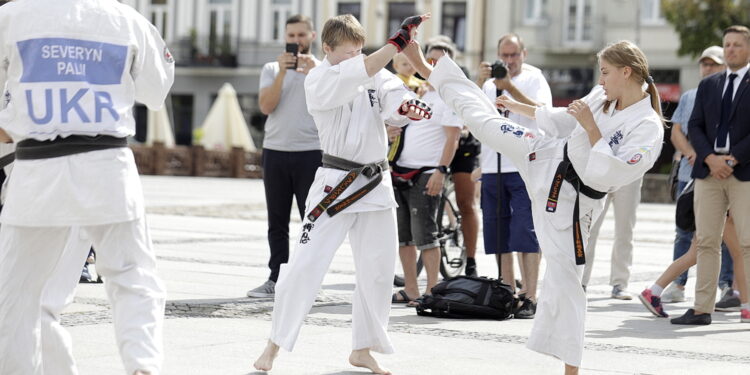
pixel 292 48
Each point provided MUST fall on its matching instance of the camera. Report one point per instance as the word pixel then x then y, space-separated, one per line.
pixel 499 69
pixel 292 48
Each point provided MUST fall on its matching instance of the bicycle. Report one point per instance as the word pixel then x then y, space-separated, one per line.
pixel 450 236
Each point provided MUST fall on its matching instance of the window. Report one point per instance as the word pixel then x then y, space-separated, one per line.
pixel 651 12
pixel 182 111
pixel 281 11
pixel 220 27
pixel 577 22
pixel 160 16
pixel 532 11
pixel 396 14
pixel 355 9
pixel 453 23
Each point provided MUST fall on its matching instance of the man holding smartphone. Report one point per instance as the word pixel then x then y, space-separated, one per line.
pixel 291 149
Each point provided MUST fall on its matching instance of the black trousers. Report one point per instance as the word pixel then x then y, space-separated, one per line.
pixel 285 175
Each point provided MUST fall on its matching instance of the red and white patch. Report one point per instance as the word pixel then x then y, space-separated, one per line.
pixel 327 189
pixel 168 56
pixel 532 156
pixel 529 135
pixel 635 159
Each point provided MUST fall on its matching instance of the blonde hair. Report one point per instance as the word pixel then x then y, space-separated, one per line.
pixel 625 53
pixel 342 29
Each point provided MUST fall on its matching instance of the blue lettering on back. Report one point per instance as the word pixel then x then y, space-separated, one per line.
pixel 72 60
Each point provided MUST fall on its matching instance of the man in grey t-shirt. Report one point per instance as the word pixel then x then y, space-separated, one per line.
pixel 291 148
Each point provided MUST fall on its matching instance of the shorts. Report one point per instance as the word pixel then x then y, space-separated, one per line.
pixel 515 214
pixel 417 215
pixel 466 158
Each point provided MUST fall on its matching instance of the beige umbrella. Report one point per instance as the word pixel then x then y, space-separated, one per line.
pixel 158 128
pixel 225 126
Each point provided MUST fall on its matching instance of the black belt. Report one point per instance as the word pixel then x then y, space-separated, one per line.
pixel 30 149
pixel 373 171
pixel 565 171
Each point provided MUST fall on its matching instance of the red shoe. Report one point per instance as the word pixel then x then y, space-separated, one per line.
pixel 745 316
pixel 652 303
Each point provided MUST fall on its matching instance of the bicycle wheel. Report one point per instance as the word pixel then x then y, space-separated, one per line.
pixel 452 250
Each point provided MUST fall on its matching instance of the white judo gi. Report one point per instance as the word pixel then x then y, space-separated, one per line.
pixel 75 67
pixel 631 143
pixel 349 109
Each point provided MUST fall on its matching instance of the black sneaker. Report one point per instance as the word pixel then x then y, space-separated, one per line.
pixel 728 302
pixel 471 267
pixel 691 318
pixel 526 311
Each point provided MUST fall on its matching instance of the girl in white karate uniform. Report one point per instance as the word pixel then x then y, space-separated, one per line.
pixel 612 136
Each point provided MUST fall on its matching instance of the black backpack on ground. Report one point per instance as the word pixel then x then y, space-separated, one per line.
pixel 466 297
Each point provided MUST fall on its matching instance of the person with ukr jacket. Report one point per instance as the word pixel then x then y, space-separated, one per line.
pixel 350 96
pixel 72 70
pixel 598 144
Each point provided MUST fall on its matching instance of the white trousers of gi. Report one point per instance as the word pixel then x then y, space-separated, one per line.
pixel 374 242
pixel 558 328
pixel 625 201
pixel 33 258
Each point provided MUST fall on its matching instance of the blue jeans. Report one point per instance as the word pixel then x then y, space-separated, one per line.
pixel 682 242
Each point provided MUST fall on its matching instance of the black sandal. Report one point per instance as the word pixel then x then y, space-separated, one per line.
pixel 404 297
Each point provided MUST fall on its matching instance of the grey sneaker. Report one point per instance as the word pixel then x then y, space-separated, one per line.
pixel 619 293
pixel 728 301
pixel 673 294
pixel 266 290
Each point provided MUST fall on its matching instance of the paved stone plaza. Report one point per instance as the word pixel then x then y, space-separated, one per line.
pixel 210 241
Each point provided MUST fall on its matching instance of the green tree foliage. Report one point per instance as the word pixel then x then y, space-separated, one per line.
pixel 700 22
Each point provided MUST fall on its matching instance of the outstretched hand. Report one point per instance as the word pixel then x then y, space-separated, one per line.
pixel 408 31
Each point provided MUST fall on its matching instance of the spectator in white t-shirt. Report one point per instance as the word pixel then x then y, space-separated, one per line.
pixel 418 177
pixel 524 83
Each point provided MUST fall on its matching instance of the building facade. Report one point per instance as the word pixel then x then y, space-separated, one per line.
pixel 218 41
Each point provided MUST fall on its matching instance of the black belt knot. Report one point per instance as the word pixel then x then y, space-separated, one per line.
pixel 566 172
pixel 373 171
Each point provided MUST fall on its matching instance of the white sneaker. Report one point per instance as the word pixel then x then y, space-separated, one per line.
pixel 673 294
pixel 266 290
pixel 619 293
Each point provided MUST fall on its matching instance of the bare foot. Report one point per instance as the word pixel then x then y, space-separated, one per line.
pixel 265 361
pixel 362 358
pixel 571 370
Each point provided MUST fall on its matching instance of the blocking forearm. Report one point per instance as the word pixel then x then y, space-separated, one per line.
pixel 379 59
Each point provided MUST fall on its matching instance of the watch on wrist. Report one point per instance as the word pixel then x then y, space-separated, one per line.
pixel 443 169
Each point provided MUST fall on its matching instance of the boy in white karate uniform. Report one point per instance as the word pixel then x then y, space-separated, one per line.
pixel 350 96
pixel 598 144
pixel 72 70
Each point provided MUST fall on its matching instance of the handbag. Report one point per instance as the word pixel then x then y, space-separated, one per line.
pixel 684 213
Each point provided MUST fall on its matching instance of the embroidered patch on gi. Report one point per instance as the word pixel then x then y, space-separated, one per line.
pixel 168 56
pixel 507 128
pixel 371 95
pixel 327 189
pixel 615 139
pixel 305 237
pixel 529 135
pixel 635 159
pixel 532 156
